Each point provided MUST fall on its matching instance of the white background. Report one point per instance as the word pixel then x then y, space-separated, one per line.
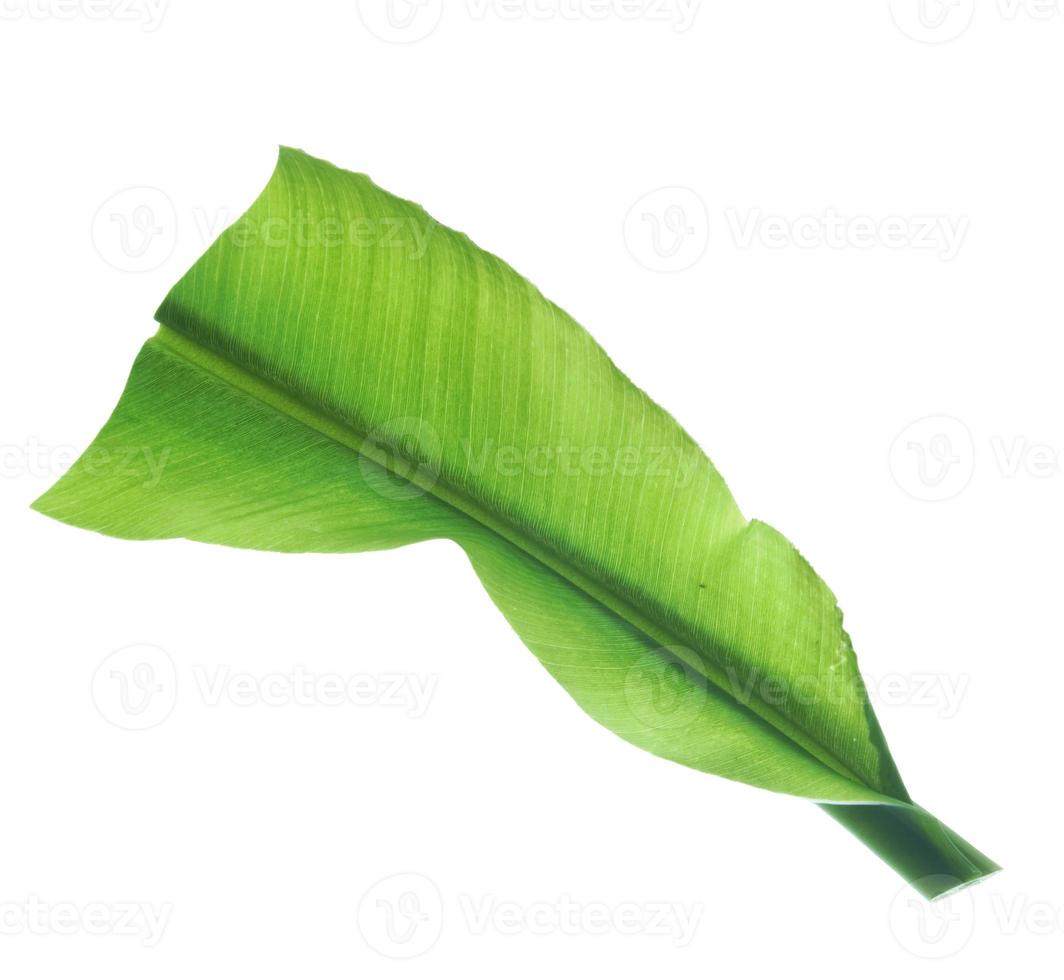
pixel 802 306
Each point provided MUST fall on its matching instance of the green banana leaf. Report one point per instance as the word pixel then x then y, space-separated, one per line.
pixel 339 372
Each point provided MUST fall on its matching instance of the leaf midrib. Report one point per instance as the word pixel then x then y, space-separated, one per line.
pixel 277 398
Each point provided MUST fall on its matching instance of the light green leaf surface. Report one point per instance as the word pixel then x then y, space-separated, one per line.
pixel 341 373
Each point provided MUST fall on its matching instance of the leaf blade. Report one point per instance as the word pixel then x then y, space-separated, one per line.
pixel 322 348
